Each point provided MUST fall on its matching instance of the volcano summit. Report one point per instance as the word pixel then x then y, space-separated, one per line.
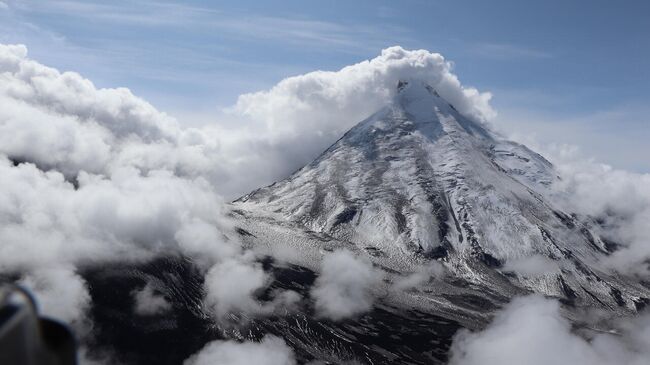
pixel 418 182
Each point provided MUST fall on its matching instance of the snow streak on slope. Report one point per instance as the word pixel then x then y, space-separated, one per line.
pixel 418 179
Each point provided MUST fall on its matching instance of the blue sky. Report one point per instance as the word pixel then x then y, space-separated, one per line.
pixel 562 71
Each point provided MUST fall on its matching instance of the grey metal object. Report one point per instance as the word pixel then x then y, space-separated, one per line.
pixel 28 339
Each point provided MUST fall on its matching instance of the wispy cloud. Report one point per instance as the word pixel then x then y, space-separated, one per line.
pixel 616 135
pixel 506 51
pixel 183 53
pixel 297 30
pixel 143 13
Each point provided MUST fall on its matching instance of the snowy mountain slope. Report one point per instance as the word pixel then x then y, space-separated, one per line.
pixel 418 181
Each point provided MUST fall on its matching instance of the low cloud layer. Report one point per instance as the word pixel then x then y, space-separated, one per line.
pixel 92 175
pixel 531 330
pixel 46 219
pixel 63 294
pixel 148 302
pixel 618 199
pixel 270 351
pixel 420 277
pixel 344 286
pixel 231 286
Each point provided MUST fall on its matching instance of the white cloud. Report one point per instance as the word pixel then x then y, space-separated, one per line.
pixel 60 120
pixel 238 25
pixel 303 114
pixel 148 302
pixel 99 175
pixel 117 110
pixel 122 153
pixel 62 293
pixel 303 102
pixel 344 287
pixel 231 286
pixel 531 330
pixel 128 216
pixel 504 51
pixel 204 242
pixel 619 199
pixel 420 277
pixel 270 351
pixel 111 178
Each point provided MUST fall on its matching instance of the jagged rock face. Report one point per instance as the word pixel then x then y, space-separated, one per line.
pixel 419 179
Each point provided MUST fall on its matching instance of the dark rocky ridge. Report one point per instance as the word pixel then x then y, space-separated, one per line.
pixel 382 336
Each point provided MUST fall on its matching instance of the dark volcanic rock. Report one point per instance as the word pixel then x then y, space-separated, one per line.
pixel 385 335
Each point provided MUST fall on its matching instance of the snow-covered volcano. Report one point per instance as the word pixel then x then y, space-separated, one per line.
pixel 418 181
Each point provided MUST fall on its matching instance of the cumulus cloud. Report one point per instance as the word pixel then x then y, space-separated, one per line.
pixel 270 351
pixel 44 218
pixel 118 110
pixel 62 293
pixel 95 175
pixel 300 116
pixel 344 287
pixel 148 302
pixel 420 277
pixel 531 330
pixel 62 121
pixel 619 200
pixel 203 241
pixel 232 285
